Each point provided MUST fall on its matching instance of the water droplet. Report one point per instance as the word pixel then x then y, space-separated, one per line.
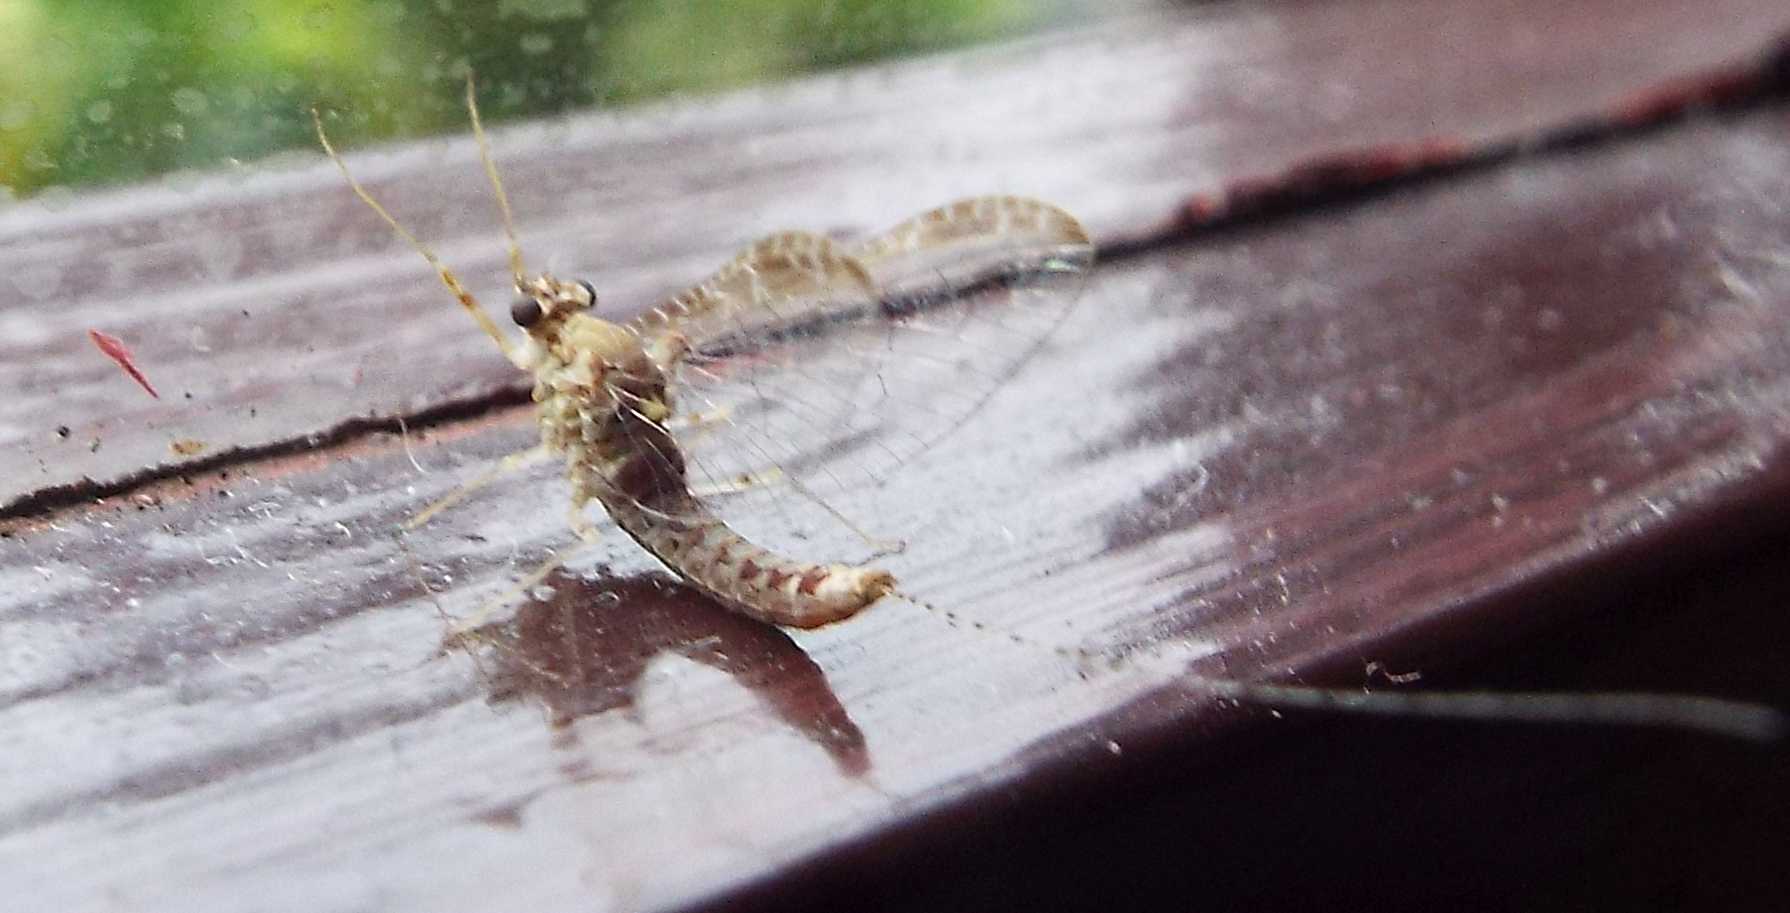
pixel 100 111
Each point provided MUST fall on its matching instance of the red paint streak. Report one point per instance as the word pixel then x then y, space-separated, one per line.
pixel 116 351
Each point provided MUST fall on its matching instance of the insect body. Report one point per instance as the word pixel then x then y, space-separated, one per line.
pixel 606 392
pixel 604 404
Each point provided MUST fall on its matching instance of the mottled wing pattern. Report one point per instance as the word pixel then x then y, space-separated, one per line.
pixel 829 366
pixel 779 281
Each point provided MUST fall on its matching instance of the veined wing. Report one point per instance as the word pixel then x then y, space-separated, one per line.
pixel 832 365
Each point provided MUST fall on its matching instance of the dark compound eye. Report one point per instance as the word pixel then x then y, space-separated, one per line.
pixel 589 290
pixel 526 311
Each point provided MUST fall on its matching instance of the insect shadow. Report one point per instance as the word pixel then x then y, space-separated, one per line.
pixel 585 649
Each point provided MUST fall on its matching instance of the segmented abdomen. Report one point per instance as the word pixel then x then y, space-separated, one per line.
pixel 609 422
pixel 747 578
pixel 625 459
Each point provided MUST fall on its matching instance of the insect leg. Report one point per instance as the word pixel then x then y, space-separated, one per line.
pixel 504 466
pixel 581 525
pixel 702 420
pixel 742 483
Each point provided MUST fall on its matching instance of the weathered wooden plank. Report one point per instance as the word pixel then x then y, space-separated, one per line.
pixel 1293 445
pixel 276 307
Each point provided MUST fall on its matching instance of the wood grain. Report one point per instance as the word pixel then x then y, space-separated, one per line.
pixel 1379 430
pixel 278 308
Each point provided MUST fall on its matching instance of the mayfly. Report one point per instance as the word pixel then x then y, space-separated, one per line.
pixel 899 338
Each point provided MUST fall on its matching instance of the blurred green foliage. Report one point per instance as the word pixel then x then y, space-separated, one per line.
pixel 101 91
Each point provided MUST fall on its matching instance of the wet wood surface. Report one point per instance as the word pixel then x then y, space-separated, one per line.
pixel 276 308
pixel 1399 354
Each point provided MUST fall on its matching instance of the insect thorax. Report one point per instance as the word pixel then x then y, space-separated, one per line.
pixel 603 402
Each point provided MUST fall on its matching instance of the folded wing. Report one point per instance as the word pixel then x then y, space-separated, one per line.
pixel 825 366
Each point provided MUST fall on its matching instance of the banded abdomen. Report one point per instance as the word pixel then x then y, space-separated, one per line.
pixel 747 578
pixel 620 454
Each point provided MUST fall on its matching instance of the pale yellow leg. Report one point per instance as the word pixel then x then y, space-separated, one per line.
pixel 703 420
pixel 581 525
pixel 504 466
pixel 742 483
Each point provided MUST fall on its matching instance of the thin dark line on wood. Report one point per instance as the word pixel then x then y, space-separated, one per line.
pixel 1354 177
pixel 47 500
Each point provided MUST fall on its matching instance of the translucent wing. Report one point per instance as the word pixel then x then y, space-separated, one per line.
pixel 828 366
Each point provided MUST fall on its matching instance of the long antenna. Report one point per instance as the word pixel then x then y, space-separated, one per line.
pixel 503 199
pixel 448 279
